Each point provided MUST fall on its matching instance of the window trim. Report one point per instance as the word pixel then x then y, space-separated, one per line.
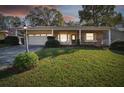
pixel 31 35
pixel 61 37
pixel 73 37
pixel 37 35
pixel 94 39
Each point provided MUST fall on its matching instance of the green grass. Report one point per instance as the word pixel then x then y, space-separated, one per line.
pixel 71 67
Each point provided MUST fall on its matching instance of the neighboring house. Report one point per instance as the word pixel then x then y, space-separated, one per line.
pixel 117 33
pixel 12 32
pixel 8 32
pixel 97 36
pixel 3 34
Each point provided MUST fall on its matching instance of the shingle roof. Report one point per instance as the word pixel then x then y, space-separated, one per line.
pixel 67 28
pixel 4 31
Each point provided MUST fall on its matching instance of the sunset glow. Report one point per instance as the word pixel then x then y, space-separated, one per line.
pixel 70 12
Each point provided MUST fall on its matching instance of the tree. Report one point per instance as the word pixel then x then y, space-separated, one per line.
pixel 12 21
pixel 113 20
pixel 72 23
pixel 43 16
pixel 2 24
pixel 9 21
pixel 99 15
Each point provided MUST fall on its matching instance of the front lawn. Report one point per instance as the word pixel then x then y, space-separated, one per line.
pixel 71 67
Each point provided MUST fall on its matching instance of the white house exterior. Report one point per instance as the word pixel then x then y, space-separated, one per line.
pixel 90 35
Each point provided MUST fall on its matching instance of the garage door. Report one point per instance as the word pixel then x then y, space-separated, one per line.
pixel 37 40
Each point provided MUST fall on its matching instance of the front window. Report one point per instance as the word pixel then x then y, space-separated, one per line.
pixel 49 34
pixel 31 35
pixel 37 34
pixel 89 36
pixel 43 34
pixel 73 37
pixel 63 37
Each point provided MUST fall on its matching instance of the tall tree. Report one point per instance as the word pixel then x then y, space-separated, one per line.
pixel 43 16
pixel 9 21
pixel 72 23
pixel 2 24
pixel 99 15
pixel 12 21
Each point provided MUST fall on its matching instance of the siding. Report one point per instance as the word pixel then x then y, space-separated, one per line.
pixel 101 36
pixel 117 35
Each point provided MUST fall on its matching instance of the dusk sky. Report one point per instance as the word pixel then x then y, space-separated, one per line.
pixel 70 12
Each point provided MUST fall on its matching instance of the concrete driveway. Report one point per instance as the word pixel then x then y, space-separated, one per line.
pixel 8 54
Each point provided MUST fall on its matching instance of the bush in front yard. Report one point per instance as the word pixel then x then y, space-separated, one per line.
pixel 78 42
pixel 25 61
pixel 2 41
pixel 118 45
pixel 12 40
pixel 51 42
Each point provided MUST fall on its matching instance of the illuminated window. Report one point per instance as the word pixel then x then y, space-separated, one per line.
pixel 73 37
pixel 49 34
pixel 89 36
pixel 31 35
pixel 43 34
pixel 58 37
pixel 37 35
pixel 63 37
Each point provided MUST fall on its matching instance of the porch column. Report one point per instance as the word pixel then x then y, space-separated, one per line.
pixel 109 37
pixel 16 32
pixel 52 32
pixel 80 35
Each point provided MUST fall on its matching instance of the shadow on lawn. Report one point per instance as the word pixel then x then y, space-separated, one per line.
pixel 7 72
pixel 10 72
pixel 54 52
pixel 117 52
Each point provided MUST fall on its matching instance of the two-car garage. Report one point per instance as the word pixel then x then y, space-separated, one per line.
pixel 37 39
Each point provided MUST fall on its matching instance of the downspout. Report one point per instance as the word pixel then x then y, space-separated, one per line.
pixel 80 35
pixel 16 33
pixel 109 37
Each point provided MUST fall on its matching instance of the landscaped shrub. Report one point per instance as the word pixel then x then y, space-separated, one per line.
pixel 12 40
pixel 25 61
pixel 52 43
pixel 2 41
pixel 78 42
pixel 118 45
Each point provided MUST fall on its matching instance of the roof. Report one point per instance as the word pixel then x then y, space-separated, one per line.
pixel 121 29
pixel 4 31
pixel 67 28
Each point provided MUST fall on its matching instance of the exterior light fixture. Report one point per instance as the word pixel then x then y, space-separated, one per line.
pixel 26 38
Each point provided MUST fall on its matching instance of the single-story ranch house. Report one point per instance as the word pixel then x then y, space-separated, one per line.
pixel 3 34
pixel 68 35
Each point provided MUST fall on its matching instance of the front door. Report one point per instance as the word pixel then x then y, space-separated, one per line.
pixel 73 39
